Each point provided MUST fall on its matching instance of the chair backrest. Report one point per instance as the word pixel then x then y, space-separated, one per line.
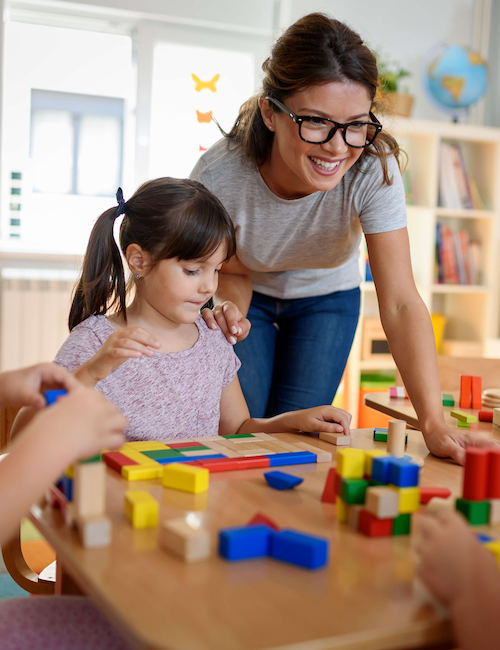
pixel 7 417
pixel 450 369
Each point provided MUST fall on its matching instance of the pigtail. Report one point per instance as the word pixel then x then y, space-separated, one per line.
pixel 102 283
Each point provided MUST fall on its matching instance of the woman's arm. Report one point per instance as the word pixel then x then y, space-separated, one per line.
pixel 408 327
pixel 232 301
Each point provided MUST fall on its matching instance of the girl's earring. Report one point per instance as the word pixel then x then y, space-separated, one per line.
pixel 137 276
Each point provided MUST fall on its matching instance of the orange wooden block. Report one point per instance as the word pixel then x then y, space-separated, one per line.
pixel 477 402
pixel 465 391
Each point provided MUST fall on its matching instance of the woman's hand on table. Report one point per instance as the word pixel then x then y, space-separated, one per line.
pixel 321 418
pixel 445 442
pixel 231 321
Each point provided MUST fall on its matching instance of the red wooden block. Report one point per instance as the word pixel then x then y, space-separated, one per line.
pixel 494 473
pixel 338 484
pixel 427 493
pixel 259 518
pixel 253 461
pixel 465 391
pixel 330 493
pixel 373 527
pixel 116 460
pixel 217 464
pixel 485 416
pixel 477 401
pixel 476 474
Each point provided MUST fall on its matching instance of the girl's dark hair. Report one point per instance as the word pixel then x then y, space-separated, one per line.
pixel 316 49
pixel 168 218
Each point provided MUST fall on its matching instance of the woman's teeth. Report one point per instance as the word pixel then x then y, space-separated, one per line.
pixel 323 164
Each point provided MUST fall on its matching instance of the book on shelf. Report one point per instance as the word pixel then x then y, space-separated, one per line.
pixel 408 187
pixel 458 259
pixel 457 190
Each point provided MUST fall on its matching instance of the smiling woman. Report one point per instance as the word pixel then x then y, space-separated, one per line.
pixel 305 171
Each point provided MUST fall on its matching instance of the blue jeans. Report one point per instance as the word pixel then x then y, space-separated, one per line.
pixel 296 352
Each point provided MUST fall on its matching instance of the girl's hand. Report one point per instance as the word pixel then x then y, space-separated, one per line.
pixel 445 442
pixel 26 387
pixel 452 561
pixel 126 343
pixel 229 318
pixel 321 418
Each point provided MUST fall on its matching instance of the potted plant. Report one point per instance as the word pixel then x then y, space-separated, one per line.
pixel 396 100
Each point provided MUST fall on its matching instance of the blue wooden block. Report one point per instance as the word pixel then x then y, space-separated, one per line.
pixel 403 473
pixel 484 539
pixel 52 395
pixel 297 548
pixel 245 542
pixel 380 430
pixel 282 481
pixel 380 469
pixel 67 487
pixel 292 458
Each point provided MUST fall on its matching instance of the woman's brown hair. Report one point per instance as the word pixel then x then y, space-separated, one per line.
pixel 316 49
pixel 168 218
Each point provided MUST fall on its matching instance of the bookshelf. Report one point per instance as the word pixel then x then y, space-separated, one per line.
pixel 471 309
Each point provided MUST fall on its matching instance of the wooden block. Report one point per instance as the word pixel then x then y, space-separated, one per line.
pixel 257 452
pixel 475 485
pixel 186 478
pixel 485 416
pixel 494 473
pixel 321 455
pixel 409 499
pixel 370 454
pixel 351 463
pixel 339 439
pixel 396 438
pixel 200 452
pixel 142 509
pixel 142 472
pixel 382 501
pixel 428 493
pixel 259 518
pixel 139 458
pixel 496 427
pixel 280 446
pixel 494 547
pixel 374 527
pixel 90 490
pixel 265 436
pixel 465 391
pixel 496 416
pixel 94 532
pixel 145 445
pixel 353 516
pixel 186 540
pixel 476 392
pixel 494 511
pixel 221 449
pixel 467 418
pixel 341 510
pixel 436 504
pixel 230 445
pixel 329 492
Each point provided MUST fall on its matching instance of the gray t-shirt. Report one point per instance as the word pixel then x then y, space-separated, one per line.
pixel 308 246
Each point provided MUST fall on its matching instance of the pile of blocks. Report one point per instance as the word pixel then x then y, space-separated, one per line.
pixel 463 419
pixel 480 501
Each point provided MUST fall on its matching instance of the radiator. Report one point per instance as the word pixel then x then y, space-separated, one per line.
pixel 33 317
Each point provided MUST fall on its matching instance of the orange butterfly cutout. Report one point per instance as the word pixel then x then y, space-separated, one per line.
pixel 204 117
pixel 200 85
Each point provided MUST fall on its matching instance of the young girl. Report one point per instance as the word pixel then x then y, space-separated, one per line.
pixel 78 426
pixel 156 359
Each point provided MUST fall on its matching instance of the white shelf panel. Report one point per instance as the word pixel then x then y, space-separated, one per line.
pixel 460 288
pixel 465 214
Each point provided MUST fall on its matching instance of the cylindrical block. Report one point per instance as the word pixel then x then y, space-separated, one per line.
pixel 396 438
pixel 476 474
pixel 494 473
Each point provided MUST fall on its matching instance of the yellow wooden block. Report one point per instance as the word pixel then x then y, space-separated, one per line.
pixel 142 472
pixel 409 499
pixel 136 456
pixel 351 463
pixel 70 471
pixel 187 478
pixel 342 510
pixel 142 509
pixel 494 547
pixel 145 445
pixel 370 454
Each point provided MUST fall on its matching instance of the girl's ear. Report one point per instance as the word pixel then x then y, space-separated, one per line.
pixel 138 260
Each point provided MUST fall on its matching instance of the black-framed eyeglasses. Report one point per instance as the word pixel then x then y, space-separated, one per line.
pixel 318 130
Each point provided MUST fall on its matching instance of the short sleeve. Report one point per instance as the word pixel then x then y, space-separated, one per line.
pixel 233 365
pixel 79 347
pixel 381 207
pixel 201 173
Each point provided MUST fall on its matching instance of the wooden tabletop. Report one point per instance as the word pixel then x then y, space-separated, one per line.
pixel 365 599
pixel 402 409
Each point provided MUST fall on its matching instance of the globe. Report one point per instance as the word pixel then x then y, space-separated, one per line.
pixel 456 78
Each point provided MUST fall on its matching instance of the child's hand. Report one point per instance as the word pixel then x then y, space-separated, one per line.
pixel 126 343
pixel 80 425
pixel 452 561
pixel 321 418
pixel 26 387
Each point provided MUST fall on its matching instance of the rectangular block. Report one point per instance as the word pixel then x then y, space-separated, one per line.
pixel 351 463
pixel 239 436
pixel 402 525
pixel 90 490
pixel 353 490
pixel 142 509
pixel 156 454
pixel 477 402
pixel 380 437
pixel 353 516
pixel 341 509
pixel 185 444
pixel 219 464
pixel 339 439
pixel 370 454
pixel 297 548
pixel 245 542
pixel 381 468
pixel 321 455
pixel 485 416
pixel 476 512
pixel 494 547
pixel 117 460
pixel 448 400
pixel 428 493
pixel 493 490
pixel 94 532
pixel 494 512
pixel 372 527
pixel 189 542
pixel 145 445
pixel 292 458
pixel 465 391
pixel 409 499
pixel 185 477
pixel 139 458
pixel 475 485
pixel 403 473
pixel 467 418
pixel 382 502
pixel 141 472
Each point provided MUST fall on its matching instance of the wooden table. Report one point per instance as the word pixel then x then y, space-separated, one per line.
pixel 365 599
pixel 402 409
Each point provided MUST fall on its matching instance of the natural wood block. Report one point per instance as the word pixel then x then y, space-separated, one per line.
pixel 321 455
pixel 382 502
pixel 494 511
pixel 200 452
pixel 94 532
pixel 90 489
pixel 339 439
pixel 353 516
pixel 188 541
pixel 437 503
pixel 257 452
pixel 221 449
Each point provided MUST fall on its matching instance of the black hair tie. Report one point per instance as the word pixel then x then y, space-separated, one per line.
pixel 121 203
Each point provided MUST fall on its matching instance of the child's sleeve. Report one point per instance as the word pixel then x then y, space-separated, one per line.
pixel 79 347
pixel 232 367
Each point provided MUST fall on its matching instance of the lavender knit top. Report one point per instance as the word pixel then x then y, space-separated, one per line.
pixel 171 395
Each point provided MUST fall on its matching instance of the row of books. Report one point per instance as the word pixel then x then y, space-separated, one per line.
pixel 459 259
pixel 457 189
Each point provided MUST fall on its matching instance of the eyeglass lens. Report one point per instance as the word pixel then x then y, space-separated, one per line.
pixel 356 135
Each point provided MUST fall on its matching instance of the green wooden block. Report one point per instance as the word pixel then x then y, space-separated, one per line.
pixel 353 490
pixel 184 449
pixel 464 417
pixel 476 512
pixel 92 459
pixel 462 425
pixel 448 399
pixel 402 525
pixel 381 437
pixel 161 453
pixel 242 435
